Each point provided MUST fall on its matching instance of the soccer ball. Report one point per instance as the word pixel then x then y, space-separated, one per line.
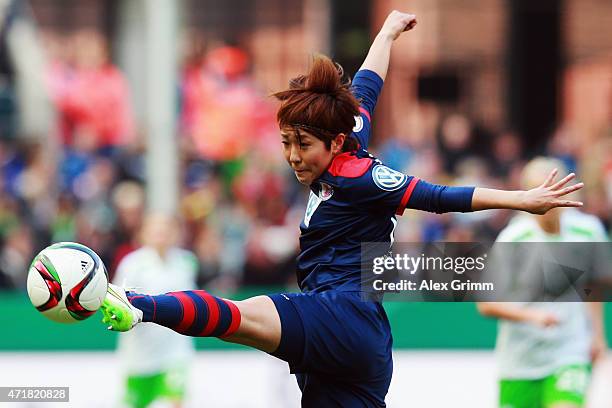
pixel 67 282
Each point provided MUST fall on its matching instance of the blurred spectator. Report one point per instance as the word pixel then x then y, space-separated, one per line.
pixel 507 153
pixel 128 200
pixel 16 255
pixel 207 246
pixel 12 163
pixel 9 215
pixel 455 140
pixel 90 93
pixel 223 111
pixel 397 152
pixel 595 166
pixel 63 226
pixel 563 146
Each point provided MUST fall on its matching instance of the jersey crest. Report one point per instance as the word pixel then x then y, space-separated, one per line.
pixel 326 192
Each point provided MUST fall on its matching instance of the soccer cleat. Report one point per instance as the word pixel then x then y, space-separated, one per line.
pixel 117 311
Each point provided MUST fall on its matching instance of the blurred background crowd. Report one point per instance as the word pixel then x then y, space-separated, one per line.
pixel 459 108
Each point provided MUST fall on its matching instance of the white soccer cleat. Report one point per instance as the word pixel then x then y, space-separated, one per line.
pixel 117 310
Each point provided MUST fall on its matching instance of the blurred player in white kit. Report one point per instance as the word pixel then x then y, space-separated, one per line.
pixel 154 358
pixel 545 350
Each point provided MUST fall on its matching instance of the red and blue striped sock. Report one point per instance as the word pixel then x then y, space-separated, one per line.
pixel 192 312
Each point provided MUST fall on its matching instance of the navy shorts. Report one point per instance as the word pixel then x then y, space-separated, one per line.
pixel 339 347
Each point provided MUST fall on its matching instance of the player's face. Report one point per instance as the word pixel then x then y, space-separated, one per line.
pixel 307 156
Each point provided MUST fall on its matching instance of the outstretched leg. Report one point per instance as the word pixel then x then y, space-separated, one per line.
pixel 253 322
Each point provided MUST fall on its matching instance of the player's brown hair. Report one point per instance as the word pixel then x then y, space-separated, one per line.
pixel 320 103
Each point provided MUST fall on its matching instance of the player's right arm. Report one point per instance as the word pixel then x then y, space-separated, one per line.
pixel 508 311
pixel 379 54
pixel 368 81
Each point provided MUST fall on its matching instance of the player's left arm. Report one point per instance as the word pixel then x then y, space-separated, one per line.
pixel 598 344
pixel 389 188
pixel 385 188
pixel 536 201
pixel 421 195
pixel 539 200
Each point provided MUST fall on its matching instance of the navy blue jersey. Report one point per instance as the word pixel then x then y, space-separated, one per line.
pixel 356 200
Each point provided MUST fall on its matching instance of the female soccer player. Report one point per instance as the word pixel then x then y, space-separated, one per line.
pixel 544 350
pixel 338 345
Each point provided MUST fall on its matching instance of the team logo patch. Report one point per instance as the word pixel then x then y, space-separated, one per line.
pixel 326 192
pixel 388 179
pixel 358 124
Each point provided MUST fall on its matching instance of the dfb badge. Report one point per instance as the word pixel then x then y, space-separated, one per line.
pixel 388 179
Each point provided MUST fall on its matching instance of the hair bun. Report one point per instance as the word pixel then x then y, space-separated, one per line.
pixel 324 77
pixel 320 99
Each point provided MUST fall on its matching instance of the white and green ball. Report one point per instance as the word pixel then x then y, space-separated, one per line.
pixel 67 282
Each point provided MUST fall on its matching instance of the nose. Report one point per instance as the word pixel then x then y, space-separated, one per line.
pixel 294 154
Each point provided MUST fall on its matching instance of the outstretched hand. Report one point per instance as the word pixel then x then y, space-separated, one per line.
pixel 397 22
pixel 549 194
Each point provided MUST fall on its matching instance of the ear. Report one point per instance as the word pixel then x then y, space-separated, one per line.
pixel 337 143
